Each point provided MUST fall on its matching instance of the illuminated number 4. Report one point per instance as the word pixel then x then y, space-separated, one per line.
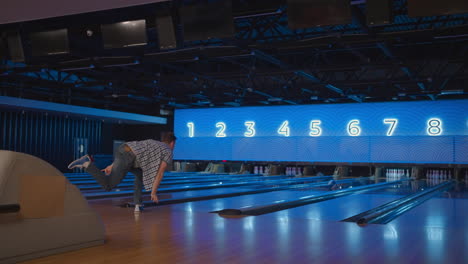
pixel 284 129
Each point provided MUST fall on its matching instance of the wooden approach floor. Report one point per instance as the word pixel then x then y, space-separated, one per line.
pixel 169 234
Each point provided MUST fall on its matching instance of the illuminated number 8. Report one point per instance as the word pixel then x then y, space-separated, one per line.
pixel 434 127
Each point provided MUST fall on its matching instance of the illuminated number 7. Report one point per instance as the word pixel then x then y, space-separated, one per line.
pixel 222 128
pixel 393 123
pixel 284 129
pixel 191 127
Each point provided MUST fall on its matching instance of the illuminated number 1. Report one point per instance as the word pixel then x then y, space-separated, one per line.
pixel 434 127
pixel 353 128
pixel 393 123
pixel 222 128
pixel 191 129
pixel 284 129
pixel 250 129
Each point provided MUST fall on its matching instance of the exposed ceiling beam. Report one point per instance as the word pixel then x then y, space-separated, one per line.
pixel 273 60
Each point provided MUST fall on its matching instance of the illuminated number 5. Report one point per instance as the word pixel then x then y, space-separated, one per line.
pixel 393 123
pixel 191 127
pixel 353 128
pixel 222 128
pixel 434 127
pixel 250 129
pixel 315 129
pixel 284 129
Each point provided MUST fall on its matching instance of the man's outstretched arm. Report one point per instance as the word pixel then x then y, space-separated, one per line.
pixel 157 181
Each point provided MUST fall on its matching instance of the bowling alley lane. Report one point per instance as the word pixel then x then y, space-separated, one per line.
pixel 445 209
pixel 433 230
pixel 343 207
pixel 254 199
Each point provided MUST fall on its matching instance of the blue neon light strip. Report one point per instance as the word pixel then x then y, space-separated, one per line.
pixel 112 116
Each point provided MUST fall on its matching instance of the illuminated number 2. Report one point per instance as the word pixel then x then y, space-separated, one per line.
pixel 250 129
pixel 191 129
pixel 353 128
pixel 434 127
pixel 393 123
pixel 315 129
pixel 284 129
pixel 222 128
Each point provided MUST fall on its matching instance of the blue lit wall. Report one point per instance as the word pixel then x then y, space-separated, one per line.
pixel 53 138
pixel 415 132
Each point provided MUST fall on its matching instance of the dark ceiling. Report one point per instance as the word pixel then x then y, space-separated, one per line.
pixel 264 63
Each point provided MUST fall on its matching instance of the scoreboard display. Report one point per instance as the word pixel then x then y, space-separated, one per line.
pixel 396 132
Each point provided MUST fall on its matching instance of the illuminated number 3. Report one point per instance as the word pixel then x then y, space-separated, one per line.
pixel 250 129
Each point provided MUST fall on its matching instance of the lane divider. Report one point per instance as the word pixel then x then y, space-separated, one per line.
pixel 387 212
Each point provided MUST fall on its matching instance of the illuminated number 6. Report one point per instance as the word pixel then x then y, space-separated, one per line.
pixel 434 127
pixel 315 129
pixel 222 128
pixel 250 129
pixel 353 128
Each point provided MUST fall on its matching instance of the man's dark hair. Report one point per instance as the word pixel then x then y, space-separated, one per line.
pixel 168 137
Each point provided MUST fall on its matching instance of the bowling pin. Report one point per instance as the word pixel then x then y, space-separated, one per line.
pixel 256 170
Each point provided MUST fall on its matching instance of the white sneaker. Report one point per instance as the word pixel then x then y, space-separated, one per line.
pixel 138 208
pixel 80 163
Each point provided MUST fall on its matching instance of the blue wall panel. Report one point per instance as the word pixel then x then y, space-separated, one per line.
pixel 50 137
pixel 413 132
